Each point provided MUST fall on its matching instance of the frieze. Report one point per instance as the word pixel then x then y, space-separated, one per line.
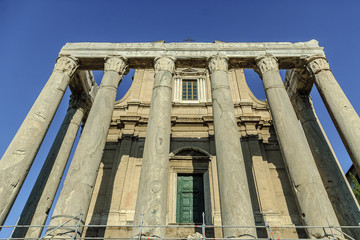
pixel 184 49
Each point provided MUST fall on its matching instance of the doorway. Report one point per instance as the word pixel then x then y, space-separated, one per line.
pixel 190 198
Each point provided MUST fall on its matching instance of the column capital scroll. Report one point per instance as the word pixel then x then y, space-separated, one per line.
pixel 316 64
pixel 164 63
pixel 266 63
pixel 66 64
pixel 117 64
pixel 218 63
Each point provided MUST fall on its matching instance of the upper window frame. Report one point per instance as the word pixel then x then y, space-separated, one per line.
pixel 190 74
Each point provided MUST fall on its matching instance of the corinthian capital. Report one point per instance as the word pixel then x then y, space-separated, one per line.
pixel 117 64
pixel 218 63
pixel 66 64
pixel 80 101
pixel 265 64
pixel 164 63
pixel 316 64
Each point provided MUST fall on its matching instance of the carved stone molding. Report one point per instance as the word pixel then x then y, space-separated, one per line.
pixel 316 64
pixel 164 63
pixel 218 63
pixel 265 64
pixel 117 64
pixel 66 64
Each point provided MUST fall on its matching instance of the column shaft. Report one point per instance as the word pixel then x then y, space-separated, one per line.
pixel 313 202
pixel 19 156
pixel 76 193
pixel 343 114
pixel 43 193
pixel 152 193
pixel 337 187
pixel 236 208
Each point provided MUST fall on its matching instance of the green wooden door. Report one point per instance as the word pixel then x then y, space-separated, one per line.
pixel 190 199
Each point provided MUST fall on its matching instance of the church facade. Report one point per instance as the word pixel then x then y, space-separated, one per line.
pixel 189 145
pixel 192 171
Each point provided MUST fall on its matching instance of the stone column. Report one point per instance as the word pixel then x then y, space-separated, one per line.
pixel 344 116
pixel 236 208
pixel 38 205
pixel 313 202
pixel 19 156
pixel 152 193
pixel 76 193
pixel 337 187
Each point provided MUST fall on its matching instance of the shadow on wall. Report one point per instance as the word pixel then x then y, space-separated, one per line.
pixel 115 156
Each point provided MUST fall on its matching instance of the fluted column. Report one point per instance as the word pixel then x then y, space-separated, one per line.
pixel 344 116
pixel 336 185
pixel 236 208
pixel 76 193
pixel 313 202
pixel 152 193
pixel 19 156
pixel 38 205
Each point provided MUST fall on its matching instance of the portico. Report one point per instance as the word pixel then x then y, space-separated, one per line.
pixel 225 122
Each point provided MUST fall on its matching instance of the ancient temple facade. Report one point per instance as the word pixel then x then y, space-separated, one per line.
pixel 189 148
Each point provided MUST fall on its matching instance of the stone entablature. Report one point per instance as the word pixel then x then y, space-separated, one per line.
pixel 241 55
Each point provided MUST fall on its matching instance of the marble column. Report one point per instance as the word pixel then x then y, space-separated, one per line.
pixel 336 185
pixel 76 193
pixel 19 156
pixel 314 206
pixel 152 193
pixel 344 116
pixel 236 208
pixel 38 205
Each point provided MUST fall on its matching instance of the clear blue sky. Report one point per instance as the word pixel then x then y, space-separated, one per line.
pixel 33 32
